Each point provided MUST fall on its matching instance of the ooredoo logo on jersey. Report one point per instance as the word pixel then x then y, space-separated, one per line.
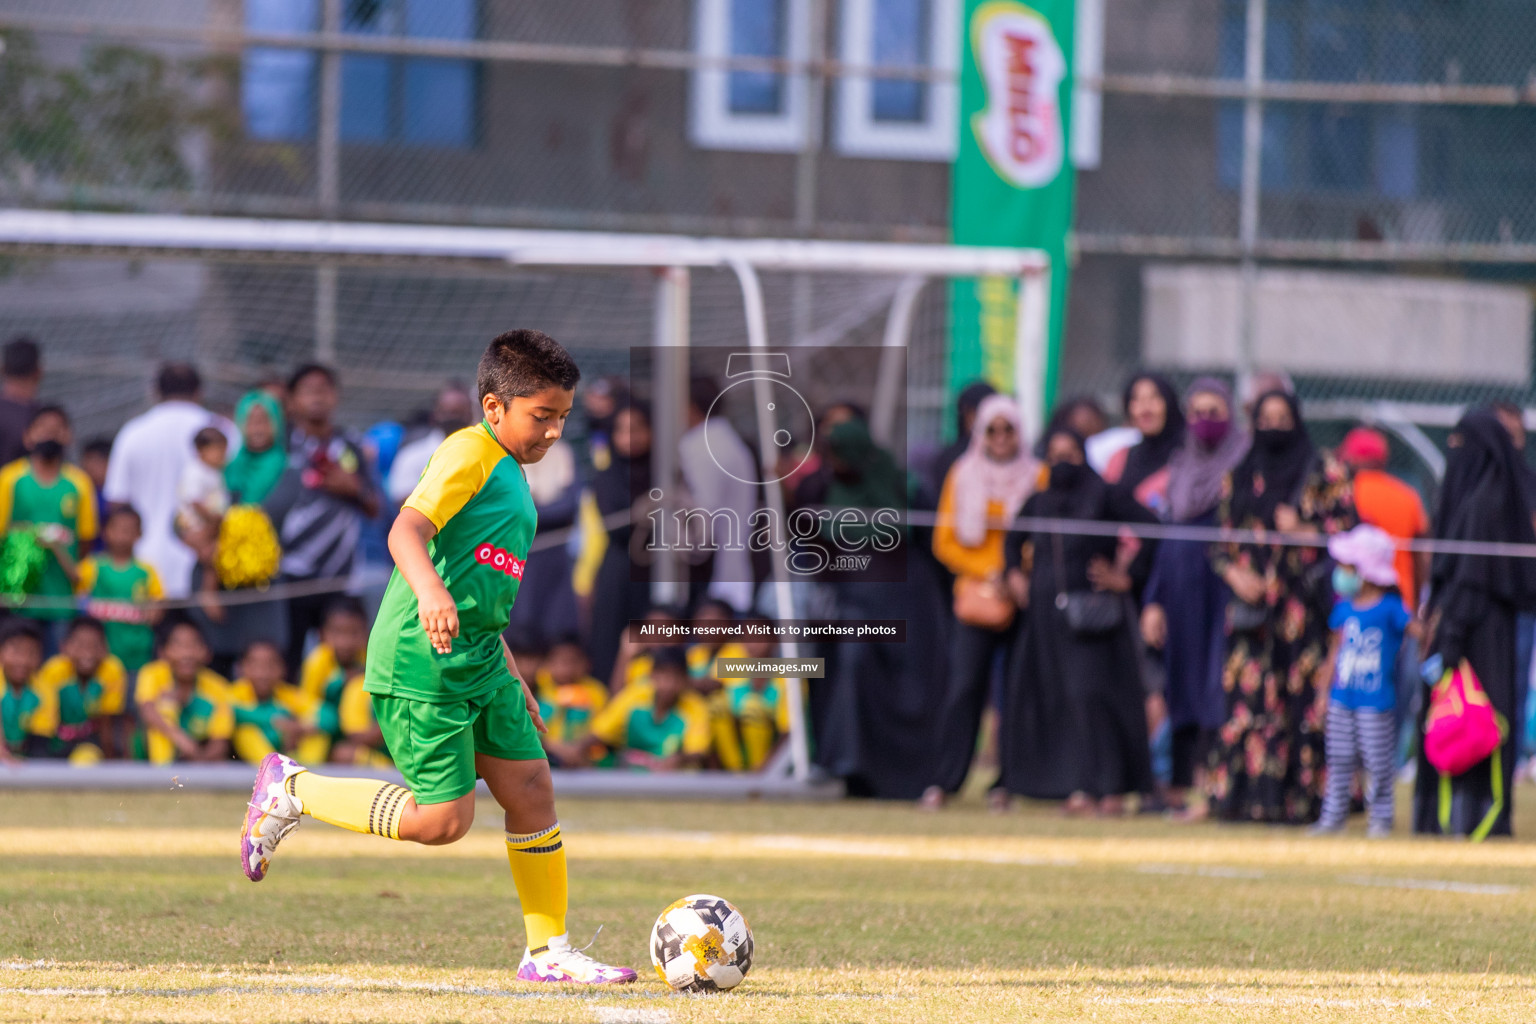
pixel 500 559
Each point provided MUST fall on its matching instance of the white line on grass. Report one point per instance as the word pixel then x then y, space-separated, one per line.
pixel 301 989
pixel 624 1015
pixel 1431 884
pixel 1202 872
pixel 1216 999
pixel 900 851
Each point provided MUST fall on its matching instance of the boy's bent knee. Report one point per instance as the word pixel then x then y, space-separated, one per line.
pixel 440 824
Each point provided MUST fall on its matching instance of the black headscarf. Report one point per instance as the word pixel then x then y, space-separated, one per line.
pixel 1276 467
pixel 1481 500
pixel 1152 453
pixel 1083 499
pixel 625 479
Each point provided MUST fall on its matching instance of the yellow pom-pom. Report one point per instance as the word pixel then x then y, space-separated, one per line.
pixel 248 554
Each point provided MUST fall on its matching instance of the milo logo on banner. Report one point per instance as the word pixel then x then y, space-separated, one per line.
pixel 1020 128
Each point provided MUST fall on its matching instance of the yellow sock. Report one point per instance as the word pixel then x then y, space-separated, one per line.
pixel 362 805
pixel 538 869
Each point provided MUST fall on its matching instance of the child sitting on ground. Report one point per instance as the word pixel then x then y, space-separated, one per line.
pixel 658 724
pixel 750 717
pixel 339 654
pixel 1369 623
pixel 271 714
pixel 201 495
pixel 21 652
pixel 568 701
pixel 84 690
pixel 122 590
pixel 184 705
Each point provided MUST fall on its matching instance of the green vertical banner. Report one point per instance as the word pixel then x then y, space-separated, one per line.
pixel 1013 183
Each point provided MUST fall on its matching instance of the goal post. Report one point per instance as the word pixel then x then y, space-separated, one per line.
pixel 871 291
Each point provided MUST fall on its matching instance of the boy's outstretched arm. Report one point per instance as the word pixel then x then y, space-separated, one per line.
pixel 408 546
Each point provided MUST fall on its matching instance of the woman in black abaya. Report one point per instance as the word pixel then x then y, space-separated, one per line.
pixel 1074 723
pixel 617 596
pixel 1473 603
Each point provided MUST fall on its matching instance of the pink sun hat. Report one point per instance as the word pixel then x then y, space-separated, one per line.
pixel 1372 552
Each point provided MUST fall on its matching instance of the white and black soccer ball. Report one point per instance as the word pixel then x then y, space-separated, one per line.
pixel 701 944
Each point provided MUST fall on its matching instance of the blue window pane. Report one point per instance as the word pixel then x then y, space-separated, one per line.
pixel 1397 154
pixel 438 102
pixel 440 19
pixel 365 97
pixel 1341 154
pixel 758 29
pixel 282 15
pixel 277 94
pixel 901 39
pixel 370 17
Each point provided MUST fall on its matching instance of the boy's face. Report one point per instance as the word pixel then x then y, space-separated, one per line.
pixel 262 666
pixel 567 663
pixel 529 426
pixel 213 454
pixel 20 657
pixel 347 636
pixel 758 648
pixel 120 535
pixel 185 652
pixel 94 465
pixel 86 649
pixel 669 683
pixel 48 427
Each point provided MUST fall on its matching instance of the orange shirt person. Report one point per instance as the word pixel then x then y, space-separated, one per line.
pixel 1384 501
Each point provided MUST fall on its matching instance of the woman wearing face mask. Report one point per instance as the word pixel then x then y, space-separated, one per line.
pixel 1074 724
pixel 1185 603
pixel 1267 761
pixel 1152 407
pixel 985 489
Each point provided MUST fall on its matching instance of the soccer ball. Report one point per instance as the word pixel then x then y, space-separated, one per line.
pixel 701 944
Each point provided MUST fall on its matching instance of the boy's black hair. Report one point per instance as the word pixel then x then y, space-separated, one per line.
pixel 89 622
pixel 22 359
pixel 178 380
pixel 48 410
pixel 346 607
pixel 173 622
pixel 670 657
pixel 566 640
pixel 97 446
pixel 262 641
pixel 310 369
pixel 21 626
pixel 524 362
pixel 123 510
pixel 208 437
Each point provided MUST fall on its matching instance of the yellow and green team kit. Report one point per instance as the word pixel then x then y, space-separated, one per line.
pixel 206 715
pixel 118 594
pixel 69 501
pixel 436 711
pixel 71 706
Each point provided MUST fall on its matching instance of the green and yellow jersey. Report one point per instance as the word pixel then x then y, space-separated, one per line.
pixel 568 710
pixel 207 715
pixel 70 705
pixel 630 722
pixel 319 671
pixel 69 501
pixel 119 594
pixel 19 707
pixel 748 723
pixel 476 495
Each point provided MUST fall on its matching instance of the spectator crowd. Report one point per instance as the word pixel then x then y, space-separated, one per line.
pixel 1279 671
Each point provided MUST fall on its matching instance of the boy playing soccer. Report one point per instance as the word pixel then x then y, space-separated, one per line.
pixel 447 694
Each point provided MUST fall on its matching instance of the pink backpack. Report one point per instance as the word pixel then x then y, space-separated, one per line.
pixel 1461 731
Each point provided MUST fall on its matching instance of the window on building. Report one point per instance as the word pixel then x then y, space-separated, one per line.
pixel 1324 147
pixel 894 117
pixel 413 100
pixel 749 109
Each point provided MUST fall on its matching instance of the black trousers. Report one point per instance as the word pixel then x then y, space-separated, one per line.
pixel 972 653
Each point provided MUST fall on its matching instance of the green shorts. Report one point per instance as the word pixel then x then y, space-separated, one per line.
pixel 434 745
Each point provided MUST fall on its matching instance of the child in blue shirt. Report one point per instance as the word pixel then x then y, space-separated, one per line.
pixel 1369 623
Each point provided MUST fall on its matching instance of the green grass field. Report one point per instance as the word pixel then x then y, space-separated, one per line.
pixel 132 907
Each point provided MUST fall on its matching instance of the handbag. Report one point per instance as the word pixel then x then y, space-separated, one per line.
pixel 1462 730
pixel 983 603
pixel 1088 612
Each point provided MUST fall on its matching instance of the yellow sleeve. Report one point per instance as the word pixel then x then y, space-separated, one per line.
pixel 242 694
pixel 215 687
pixel 723 727
pixel 87 581
pixel 56 671
pixel 986 560
pixel 317 671
pixel 297 703
pixel 45 720
pixel 611 725
pixel 456 472
pixel 221 725
pixel 356 710
pixel 9 474
pixel 153 680
pixel 153 589
pixel 781 713
pixel 113 677
pixel 543 686
pixel 87 523
pixel 596 692
pixel 697 739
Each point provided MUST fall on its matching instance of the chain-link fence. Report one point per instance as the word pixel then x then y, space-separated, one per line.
pixel 1243 145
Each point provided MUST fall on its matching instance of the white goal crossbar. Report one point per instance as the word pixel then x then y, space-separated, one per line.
pixel 333 242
